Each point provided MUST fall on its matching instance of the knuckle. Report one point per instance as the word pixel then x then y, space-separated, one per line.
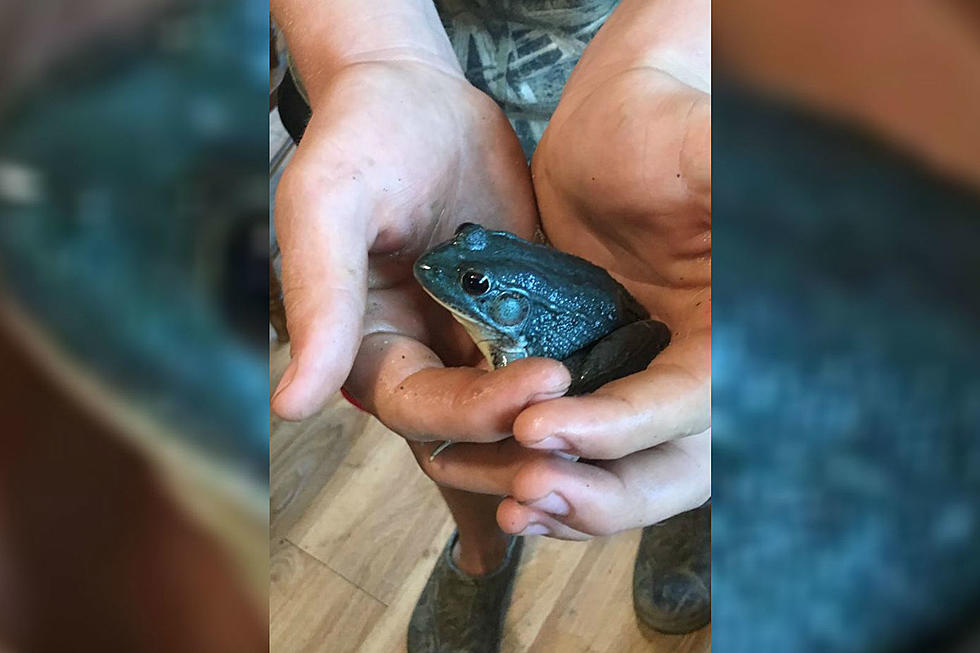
pixel 534 478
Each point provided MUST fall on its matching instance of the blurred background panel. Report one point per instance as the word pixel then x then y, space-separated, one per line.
pixel 134 277
pixel 845 326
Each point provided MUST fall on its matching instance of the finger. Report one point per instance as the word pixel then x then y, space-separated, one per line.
pixel 480 468
pixel 641 489
pixel 516 519
pixel 324 267
pixel 403 382
pixel 671 399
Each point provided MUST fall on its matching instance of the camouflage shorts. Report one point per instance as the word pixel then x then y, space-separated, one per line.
pixel 520 52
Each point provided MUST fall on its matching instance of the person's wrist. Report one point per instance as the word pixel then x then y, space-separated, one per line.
pixel 670 36
pixel 406 54
pixel 325 37
pixel 408 59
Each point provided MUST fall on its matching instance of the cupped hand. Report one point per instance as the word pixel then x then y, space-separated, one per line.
pixel 623 179
pixel 395 156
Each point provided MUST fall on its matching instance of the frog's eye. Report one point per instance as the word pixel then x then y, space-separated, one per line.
pixel 474 283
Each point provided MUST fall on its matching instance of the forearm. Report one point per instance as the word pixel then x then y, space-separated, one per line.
pixel 326 35
pixel 670 35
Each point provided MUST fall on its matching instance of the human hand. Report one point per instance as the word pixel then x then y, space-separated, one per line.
pixel 623 179
pixel 606 196
pixel 395 155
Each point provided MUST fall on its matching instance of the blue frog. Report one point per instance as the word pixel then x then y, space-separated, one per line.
pixel 516 299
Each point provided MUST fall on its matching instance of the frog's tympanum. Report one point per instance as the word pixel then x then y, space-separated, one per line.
pixel 518 299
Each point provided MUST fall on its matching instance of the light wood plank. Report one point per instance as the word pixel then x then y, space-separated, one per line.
pixel 313 609
pixel 545 571
pixel 595 611
pixel 390 633
pixel 303 456
pixel 371 522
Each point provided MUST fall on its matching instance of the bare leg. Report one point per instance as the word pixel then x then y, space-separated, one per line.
pixel 482 545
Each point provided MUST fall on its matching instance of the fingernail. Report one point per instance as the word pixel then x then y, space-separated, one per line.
pixel 286 379
pixel 552 442
pixel 545 396
pixel 535 528
pixel 551 503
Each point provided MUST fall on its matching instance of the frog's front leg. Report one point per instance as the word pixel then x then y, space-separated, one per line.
pixel 445 444
pixel 625 351
pixel 501 356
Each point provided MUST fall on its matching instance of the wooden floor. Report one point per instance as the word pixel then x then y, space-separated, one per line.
pixel 356 528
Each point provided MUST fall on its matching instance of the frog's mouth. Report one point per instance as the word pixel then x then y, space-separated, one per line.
pixel 484 338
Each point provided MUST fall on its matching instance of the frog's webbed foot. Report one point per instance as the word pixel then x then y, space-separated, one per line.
pixel 438 450
pixel 625 351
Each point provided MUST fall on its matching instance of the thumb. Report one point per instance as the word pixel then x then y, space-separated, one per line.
pixel 323 240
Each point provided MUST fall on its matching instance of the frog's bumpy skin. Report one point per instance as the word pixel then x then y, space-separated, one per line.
pixel 539 302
